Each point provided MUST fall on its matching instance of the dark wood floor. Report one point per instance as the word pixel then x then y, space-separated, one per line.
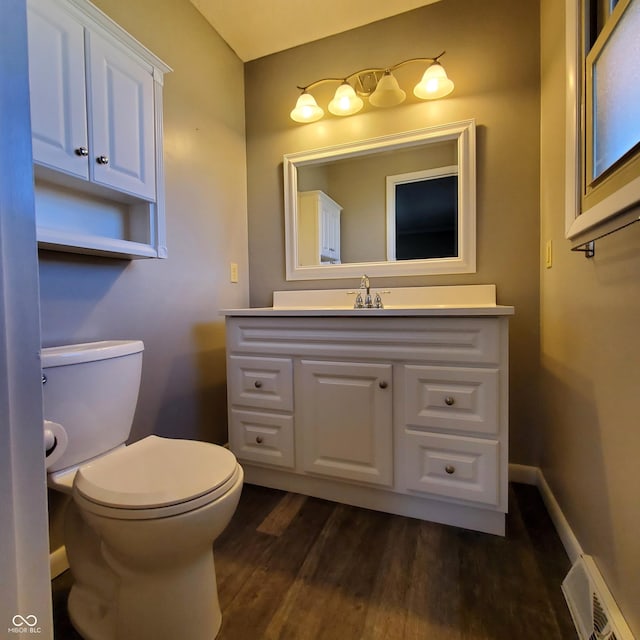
pixel 298 568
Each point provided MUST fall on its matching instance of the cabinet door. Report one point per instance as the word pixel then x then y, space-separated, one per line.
pixel 344 420
pixel 57 86
pixel 121 120
pixel 330 229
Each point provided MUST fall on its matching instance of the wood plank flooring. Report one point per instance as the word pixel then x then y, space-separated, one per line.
pixel 292 567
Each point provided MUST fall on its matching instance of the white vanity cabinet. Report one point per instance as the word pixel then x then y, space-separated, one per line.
pixel 96 112
pixel 392 410
pixel 319 232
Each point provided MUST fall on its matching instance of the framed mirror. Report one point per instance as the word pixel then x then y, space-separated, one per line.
pixel 402 204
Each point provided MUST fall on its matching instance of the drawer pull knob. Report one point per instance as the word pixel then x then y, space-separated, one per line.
pixel 450 469
pixel 257 384
pixel 383 384
pixel 102 160
pixel 259 439
pixel 449 401
pixel 82 151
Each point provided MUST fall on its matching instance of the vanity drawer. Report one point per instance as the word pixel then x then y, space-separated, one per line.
pixel 452 466
pixel 262 437
pixel 451 398
pixel 265 383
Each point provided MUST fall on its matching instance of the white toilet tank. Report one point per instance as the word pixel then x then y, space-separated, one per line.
pixel 91 389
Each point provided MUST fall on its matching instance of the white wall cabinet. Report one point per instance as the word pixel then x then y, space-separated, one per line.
pixel 407 415
pixel 319 233
pixel 96 111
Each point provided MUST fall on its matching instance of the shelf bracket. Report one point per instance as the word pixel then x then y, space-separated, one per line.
pixel 622 222
pixel 588 248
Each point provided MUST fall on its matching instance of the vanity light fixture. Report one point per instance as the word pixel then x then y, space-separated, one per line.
pixel 379 85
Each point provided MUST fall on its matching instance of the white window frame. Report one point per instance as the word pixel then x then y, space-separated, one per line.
pixel 619 208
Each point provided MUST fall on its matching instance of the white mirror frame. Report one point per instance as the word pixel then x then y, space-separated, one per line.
pixel 463 132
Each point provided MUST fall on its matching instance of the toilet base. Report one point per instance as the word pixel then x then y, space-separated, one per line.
pixel 136 580
pixel 152 608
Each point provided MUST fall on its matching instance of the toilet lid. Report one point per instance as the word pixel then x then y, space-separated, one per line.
pixel 155 472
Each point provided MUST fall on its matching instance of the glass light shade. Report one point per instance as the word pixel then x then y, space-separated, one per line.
pixel 345 101
pixel 388 92
pixel 434 83
pixel 306 109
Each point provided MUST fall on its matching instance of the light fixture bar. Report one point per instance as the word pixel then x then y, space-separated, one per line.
pixel 376 83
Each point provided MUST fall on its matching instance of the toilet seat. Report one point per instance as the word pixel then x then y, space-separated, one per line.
pixel 155 478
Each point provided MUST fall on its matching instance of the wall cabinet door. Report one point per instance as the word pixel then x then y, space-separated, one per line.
pixel 319 228
pixel 330 222
pixel 121 116
pixel 344 410
pixel 58 92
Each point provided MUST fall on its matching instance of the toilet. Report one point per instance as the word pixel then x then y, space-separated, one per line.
pixel 142 520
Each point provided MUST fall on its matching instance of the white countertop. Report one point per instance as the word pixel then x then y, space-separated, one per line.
pixel 493 310
pixel 463 300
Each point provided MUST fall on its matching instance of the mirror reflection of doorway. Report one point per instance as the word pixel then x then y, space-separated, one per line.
pixel 422 214
pixel 427 219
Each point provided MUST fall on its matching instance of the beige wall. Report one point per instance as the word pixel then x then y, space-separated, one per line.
pixel 590 360
pixel 173 305
pixel 496 70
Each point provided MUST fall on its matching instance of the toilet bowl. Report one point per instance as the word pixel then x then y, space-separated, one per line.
pixel 140 528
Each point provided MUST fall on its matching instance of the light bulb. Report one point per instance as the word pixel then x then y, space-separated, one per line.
pixel 434 83
pixel 306 109
pixel 345 101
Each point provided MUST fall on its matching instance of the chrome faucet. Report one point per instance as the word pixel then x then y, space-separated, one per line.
pixel 364 284
pixel 366 302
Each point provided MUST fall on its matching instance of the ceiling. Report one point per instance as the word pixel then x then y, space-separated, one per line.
pixel 256 28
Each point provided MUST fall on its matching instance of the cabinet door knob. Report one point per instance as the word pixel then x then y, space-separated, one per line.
pixel 259 439
pixel 102 160
pixel 450 469
pixel 449 401
pixel 382 384
pixel 82 151
pixel 257 384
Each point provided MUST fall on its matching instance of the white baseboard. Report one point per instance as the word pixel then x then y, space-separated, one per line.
pixel 568 538
pixel 58 561
pixel 524 474
pixel 533 475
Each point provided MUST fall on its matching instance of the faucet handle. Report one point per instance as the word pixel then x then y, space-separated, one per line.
pixel 359 302
pixel 377 302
